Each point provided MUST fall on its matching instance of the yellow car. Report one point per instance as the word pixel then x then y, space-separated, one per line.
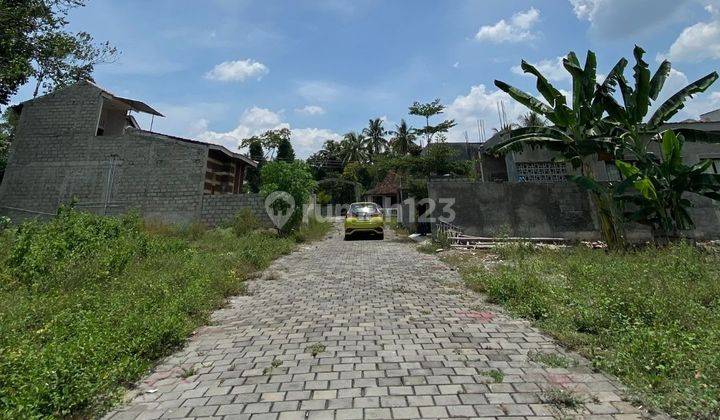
pixel 364 217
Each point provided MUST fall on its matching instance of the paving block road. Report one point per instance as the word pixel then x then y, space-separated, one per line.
pixel 368 330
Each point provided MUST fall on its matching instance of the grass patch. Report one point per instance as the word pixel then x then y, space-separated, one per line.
pixel 496 375
pixel 315 349
pixel 276 363
pixel 563 399
pixel 188 372
pixel 651 317
pixel 313 230
pixel 551 360
pixel 89 303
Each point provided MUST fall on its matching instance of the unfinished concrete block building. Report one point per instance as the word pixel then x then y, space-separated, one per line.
pixel 81 144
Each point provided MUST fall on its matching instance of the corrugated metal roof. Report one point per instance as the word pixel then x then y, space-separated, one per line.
pixel 138 105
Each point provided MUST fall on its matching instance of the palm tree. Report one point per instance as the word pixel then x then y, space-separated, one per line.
pixel 403 138
pixel 354 148
pixel 532 119
pixel 375 132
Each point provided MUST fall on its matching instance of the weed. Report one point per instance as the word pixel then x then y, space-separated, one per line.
pixel 89 303
pixel 244 222
pixel 315 229
pixel 649 316
pixel 195 230
pixel 4 223
pixel 188 372
pixel 496 375
pixel 315 349
pixel 562 398
pixel 553 360
pixel 427 247
pixel 276 363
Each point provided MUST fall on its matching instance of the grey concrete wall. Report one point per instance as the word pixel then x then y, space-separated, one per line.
pixel 218 209
pixel 57 157
pixel 544 210
pixel 518 209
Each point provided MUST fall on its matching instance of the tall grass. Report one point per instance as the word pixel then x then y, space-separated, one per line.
pixel 87 303
pixel 650 317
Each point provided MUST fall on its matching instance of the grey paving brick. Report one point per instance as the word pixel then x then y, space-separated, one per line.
pixel 402 337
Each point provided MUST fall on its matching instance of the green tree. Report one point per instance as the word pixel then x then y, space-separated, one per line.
pixel 630 125
pixel 8 125
pixel 326 160
pixel 403 140
pixel 577 133
pixel 353 148
pixel 360 173
pixel 662 186
pixel 427 110
pixel 597 123
pixel 35 44
pixel 253 174
pixel 294 178
pixel 532 119
pixel 375 137
pixel 270 140
pixel 285 151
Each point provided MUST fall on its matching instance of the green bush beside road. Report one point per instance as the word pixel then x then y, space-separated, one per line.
pixel 88 303
pixel 651 317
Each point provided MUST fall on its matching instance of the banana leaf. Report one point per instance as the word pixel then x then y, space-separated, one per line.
pixel 676 102
pixel 546 89
pixel 658 80
pixel 641 94
pixel 528 100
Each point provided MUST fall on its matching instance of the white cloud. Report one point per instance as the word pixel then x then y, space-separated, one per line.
pixel 698 42
pixel 257 120
pixel 619 18
pixel 519 28
pixel 695 106
pixel 237 71
pixel 480 105
pixel 307 141
pixel 552 69
pixel 253 121
pixel 311 110
pixel 319 91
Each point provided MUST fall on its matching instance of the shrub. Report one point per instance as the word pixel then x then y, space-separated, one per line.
pixel 244 222
pixel 315 229
pixel 195 230
pixel 4 223
pixel 67 349
pixel 56 251
pixel 294 178
pixel 651 317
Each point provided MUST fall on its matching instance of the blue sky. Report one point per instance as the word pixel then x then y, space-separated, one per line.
pixel 221 70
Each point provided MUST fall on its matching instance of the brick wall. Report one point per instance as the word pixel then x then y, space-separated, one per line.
pixel 57 157
pixel 217 209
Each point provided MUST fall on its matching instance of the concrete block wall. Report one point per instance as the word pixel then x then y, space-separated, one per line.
pixel 218 209
pixel 57 158
pixel 517 209
pixel 544 210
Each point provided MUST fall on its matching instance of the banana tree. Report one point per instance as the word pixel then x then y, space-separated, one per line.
pixel 656 192
pixel 630 126
pixel 578 131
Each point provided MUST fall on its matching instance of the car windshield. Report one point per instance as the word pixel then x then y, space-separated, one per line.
pixel 363 208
